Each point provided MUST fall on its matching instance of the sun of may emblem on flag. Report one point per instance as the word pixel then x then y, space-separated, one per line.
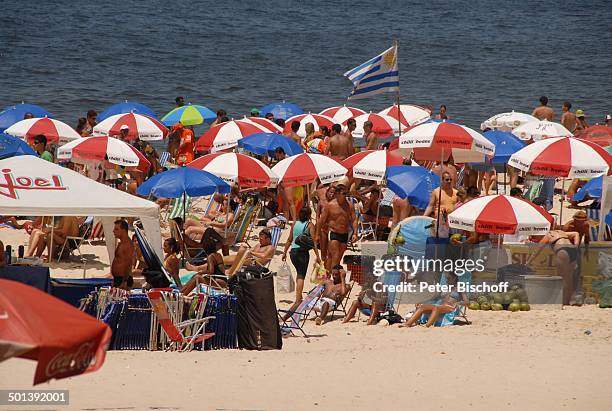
pixel 390 58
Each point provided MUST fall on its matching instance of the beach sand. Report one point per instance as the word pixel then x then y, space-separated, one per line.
pixel 544 359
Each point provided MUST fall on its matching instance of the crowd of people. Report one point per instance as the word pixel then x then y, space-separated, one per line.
pixel 327 231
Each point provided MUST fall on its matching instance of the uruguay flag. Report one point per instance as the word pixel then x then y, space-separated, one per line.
pixel 375 76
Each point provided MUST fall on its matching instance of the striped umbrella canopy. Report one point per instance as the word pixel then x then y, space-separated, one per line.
pixel 505 143
pixel 371 164
pixel 563 157
pixel 341 114
pixel 54 130
pixel 103 148
pixel 501 214
pixel 317 120
pixel 140 126
pixel 408 114
pixel 126 107
pixel 271 126
pixel 306 168
pixel 436 141
pixel 235 168
pixel 507 121
pixel 540 130
pixel 189 115
pixel 282 110
pixel 382 125
pixel 601 135
pixel 13 114
pixel 226 135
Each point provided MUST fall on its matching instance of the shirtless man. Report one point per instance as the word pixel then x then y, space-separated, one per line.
pixel 543 112
pixel 442 200
pixel 260 254
pixel 351 125
pixel 121 267
pixel 339 146
pixel 369 136
pixel 333 293
pixel 568 119
pixel 339 215
pixel 324 194
pixel 292 134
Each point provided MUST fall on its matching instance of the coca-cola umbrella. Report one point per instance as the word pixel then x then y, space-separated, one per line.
pixel 306 168
pixel 140 126
pixel 226 135
pixel 317 120
pixel 408 114
pixel 371 164
pixel 104 148
pixel 36 326
pixel 246 171
pixel 341 114
pixel 54 130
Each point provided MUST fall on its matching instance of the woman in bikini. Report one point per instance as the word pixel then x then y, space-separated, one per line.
pixel 171 262
pixel 565 246
pixel 211 273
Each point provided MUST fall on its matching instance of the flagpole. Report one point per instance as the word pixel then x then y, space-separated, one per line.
pixel 399 113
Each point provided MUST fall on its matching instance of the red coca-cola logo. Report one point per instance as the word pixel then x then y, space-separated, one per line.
pixel 65 362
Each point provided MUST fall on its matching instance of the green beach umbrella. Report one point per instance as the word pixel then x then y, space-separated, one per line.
pixel 189 115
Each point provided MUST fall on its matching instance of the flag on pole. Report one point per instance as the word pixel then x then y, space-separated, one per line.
pixel 375 76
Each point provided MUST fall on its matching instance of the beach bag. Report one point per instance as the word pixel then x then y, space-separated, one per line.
pixel 391 316
pixel 284 279
pixel 304 240
pixel 535 191
pixel 318 274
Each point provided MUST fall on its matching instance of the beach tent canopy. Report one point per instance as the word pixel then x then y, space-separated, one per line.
pixel 30 186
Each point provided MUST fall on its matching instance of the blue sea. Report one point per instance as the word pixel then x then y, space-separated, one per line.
pixel 478 57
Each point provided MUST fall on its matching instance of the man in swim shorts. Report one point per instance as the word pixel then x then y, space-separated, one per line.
pixel 121 267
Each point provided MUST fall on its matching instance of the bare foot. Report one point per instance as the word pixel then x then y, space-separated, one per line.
pixel 319 321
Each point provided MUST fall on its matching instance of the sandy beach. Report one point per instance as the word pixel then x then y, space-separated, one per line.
pixel 542 359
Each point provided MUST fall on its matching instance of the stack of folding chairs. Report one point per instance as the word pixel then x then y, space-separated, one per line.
pixel 224 308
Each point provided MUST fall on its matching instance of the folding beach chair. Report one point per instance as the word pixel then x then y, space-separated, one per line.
pixel 593 218
pixel 389 279
pixel 182 335
pixel 460 311
pixel 415 231
pixel 245 225
pixel 151 259
pixel 177 207
pixel 342 305
pixel 364 229
pixel 73 243
pixel 275 233
pixel 176 233
pixel 163 158
pixel 299 315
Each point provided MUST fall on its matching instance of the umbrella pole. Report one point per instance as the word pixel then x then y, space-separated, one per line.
pixel 51 242
pixel 562 198
pixel 440 195
pixel 505 174
pixel 184 221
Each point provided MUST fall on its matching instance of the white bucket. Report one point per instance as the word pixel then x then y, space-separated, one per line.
pixel 545 291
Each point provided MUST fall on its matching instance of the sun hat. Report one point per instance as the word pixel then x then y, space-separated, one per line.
pixel 124 127
pixel 579 113
pixel 177 126
pixel 254 111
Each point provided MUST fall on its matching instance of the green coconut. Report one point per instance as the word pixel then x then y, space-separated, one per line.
pixel 515 306
pixel 474 305
pixel 525 307
pixel 482 299
pixel 485 306
pixel 399 239
pixel 498 298
pixel 497 307
pixel 507 297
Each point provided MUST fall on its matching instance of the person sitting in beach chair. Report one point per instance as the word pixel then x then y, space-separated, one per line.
pixel 334 292
pixel 369 302
pixel 260 254
pixel 195 229
pixel 447 302
pixel 211 273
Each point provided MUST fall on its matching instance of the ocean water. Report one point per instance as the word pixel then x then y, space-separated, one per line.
pixel 478 57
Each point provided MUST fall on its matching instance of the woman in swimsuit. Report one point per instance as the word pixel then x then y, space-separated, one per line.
pixel 211 273
pixel 565 246
pixel 449 302
pixel 171 262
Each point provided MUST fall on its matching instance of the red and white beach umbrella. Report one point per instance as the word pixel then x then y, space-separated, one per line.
pixel 501 214
pixel 540 130
pixel 436 140
pixel 340 114
pixel 371 164
pixel 317 120
pixel 271 126
pixel 103 148
pixel 382 125
pixel 408 114
pixel 246 171
pixel 54 130
pixel 226 135
pixel 306 168
pixel 507 121
pixel 140 126
pixel 563 157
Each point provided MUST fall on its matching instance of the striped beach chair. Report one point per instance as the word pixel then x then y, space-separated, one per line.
pixel 178 208
pixel 593 216
pixel 164 157
pixel 297 317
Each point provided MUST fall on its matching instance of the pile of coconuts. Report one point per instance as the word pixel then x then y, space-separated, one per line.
pixel 515 299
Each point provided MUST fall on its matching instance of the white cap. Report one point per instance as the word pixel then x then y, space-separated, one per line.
pixel 124 127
